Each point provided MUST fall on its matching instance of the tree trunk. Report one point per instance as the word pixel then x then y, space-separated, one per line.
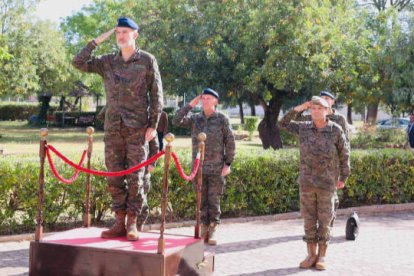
pixel 241 112
pixel 372 112
pixel 44 107
pixel 269 132
pixel 252 109
pixel 349 114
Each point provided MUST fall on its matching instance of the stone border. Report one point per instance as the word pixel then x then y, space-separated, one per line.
pixel 366 210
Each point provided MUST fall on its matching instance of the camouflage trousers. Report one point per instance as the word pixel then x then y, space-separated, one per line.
pixel 211 191
pixel 318 211
pixel 125 149
pixel 142 218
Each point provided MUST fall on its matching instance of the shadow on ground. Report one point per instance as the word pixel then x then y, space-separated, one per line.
pixel 250 245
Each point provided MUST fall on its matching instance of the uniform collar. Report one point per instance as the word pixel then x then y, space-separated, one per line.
pixel 134 57
pixel 327 128
pixel 211 116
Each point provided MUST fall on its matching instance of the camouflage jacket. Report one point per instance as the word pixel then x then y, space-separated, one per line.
pixel 320 152
pixel 133 88
pixel 220 144
pixel 334 117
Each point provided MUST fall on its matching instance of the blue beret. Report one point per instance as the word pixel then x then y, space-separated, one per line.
pixel 328 94
pixel 209 91
pixel 127 22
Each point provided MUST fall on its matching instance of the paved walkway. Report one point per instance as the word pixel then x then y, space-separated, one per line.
pixel 385 246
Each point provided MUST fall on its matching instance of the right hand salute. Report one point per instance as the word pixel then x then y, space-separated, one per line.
pixel 195 101
pixel 303 107
pixel 104 36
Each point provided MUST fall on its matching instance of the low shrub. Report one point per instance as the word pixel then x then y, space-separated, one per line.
pixel 250 125
pixel 261 183
pixel 18 111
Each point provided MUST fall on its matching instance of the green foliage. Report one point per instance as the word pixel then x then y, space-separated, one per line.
pixel 62 203
pixel 379 177
pixel 261 183
pixel 250 124
pixel 370 139
pixel 17 111
pixel 36 60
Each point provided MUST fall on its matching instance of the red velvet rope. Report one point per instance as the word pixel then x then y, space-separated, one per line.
pixel 102 173
pixel 57 175
pixel 180 169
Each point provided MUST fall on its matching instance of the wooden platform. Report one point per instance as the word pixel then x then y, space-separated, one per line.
pixel 81 251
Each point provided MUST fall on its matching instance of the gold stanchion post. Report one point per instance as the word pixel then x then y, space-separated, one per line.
pixel 167 158
pixel 42 155
pixel 87 215
pixel 201 146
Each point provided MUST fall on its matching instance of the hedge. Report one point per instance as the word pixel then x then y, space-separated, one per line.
pixel 262 182
pixel 18 111
pixel 15 111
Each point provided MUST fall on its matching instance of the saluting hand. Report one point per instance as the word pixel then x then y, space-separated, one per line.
pixel 303 107
pixel 104 36
pixel 195 101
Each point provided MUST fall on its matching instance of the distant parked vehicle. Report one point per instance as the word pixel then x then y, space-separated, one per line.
pixel 393 123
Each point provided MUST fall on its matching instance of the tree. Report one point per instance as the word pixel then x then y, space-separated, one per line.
pixel 382 5
pixel 296 50
pixel 387 55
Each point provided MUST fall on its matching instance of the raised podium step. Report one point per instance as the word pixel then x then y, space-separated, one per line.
pixel 83 252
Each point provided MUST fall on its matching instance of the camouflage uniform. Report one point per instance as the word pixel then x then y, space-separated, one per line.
pixel 334 117
pixel 340 120
pixel 219 150
pixel 153 150
pixel 134 103
pixel 320 152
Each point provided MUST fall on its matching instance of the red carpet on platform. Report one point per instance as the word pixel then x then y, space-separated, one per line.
pixel 91 237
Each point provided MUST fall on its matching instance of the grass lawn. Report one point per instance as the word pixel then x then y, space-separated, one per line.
pixel 17 137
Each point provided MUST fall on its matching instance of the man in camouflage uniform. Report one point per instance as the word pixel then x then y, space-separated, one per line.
pixel 322 146
pixel 153 148
pixel 134 102
pixel 334 116
pixel 219 154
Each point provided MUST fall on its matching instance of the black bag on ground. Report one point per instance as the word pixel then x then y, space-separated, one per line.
pixel 352 227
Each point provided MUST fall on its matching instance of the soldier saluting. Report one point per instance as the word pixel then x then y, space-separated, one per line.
pixel 323 145
pixel 336 117
pixel 219 154
pixel 134 102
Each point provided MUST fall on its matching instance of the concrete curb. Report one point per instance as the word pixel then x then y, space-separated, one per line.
pixel 366 210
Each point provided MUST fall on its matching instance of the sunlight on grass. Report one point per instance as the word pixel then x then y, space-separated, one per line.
pixel 19 138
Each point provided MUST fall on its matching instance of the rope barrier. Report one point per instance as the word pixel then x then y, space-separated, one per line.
pixel 58 176
pixel 103 173
pixel 79 167
pixel 180 169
